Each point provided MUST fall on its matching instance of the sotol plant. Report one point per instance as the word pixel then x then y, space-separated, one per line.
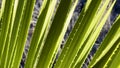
pixel 15 17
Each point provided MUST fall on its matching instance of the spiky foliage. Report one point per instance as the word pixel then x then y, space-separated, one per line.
pixel 15 17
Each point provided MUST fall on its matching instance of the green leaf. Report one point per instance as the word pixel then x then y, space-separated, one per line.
pixel 57 31
pixel 1 13
pixel 107 60
pixel 15 18
pixel 116 60
pixel 2 8
pixel 79 36
pixel 101 19
pixel 18 7
pixel 23 32
pixel 43 21
pixel 111 37
pixel 5 25
pixel 5 53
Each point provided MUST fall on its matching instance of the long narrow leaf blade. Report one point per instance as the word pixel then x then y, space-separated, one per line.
pixel 5 25
pixel 112 37
pixel 58 28
pixel 80 35
pixel 43 20
pixel 23 32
